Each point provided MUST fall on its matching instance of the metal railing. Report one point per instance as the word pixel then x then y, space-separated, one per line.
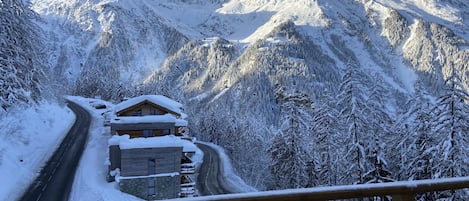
pixel 400 191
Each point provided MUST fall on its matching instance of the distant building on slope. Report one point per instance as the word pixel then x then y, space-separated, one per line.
pixel 150 153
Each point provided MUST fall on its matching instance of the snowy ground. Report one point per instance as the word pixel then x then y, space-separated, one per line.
pixel 28 138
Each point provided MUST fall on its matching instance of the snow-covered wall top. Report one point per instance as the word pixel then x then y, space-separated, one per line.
pixel 166 118
pixel 125 142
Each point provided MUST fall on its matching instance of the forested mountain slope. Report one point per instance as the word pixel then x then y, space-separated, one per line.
pixel 21 58
pixel 301 93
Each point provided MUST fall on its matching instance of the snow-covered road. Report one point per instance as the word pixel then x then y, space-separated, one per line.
pixel 210 180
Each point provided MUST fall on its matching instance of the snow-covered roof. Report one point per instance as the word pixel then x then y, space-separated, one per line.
pixel 166 118
pixel 181 122
pixel 188 146
pixel 125 142
pixel 160 100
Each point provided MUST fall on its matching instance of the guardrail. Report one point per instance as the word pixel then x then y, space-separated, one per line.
pixel 400 191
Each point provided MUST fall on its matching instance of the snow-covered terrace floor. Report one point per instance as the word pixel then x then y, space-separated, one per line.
pixel 400 191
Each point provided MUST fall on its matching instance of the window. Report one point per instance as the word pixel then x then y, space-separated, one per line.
pixel 147 133
pixel 166 132
pixel 151 186
pixel 151 166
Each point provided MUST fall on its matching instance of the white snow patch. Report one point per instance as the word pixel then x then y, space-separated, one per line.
pixel 219 95
pixel 199 97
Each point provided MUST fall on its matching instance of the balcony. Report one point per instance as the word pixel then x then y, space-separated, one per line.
pixel 187 168
pixel 187 187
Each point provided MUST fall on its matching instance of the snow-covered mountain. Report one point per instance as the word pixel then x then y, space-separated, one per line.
pixel 245 68
pixel 102 46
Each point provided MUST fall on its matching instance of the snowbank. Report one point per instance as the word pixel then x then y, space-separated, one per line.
pixel 28 139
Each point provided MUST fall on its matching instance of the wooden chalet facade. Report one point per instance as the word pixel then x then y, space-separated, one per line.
pixel 126 119
pixel 150 153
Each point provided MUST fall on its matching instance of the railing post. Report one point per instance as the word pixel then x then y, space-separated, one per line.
pixel 403 197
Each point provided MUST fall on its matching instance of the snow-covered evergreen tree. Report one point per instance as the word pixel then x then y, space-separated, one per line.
pixel 379 123
pixel 421 147
pixel 451 127
pixel 289 151
pixel 354 126
pixel 413 140
pixel 21 61
pixel 324 132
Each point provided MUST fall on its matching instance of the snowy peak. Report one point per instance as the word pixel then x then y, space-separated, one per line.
pixel 254 19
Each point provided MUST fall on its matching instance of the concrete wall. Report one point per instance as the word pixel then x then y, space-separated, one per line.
pixel 134 162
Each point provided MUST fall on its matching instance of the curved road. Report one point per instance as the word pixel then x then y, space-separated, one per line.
pixel 210 180
pixel 56 178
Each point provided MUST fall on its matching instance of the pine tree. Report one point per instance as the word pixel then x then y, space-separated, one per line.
pixel 421 149
pixel 21 61
pixel 324 131
pixel 414 140
pixel 354 130
pixel 380 125
pixel 451 126
pixel 291 160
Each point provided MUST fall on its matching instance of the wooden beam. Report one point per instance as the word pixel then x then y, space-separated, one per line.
pixel 401 191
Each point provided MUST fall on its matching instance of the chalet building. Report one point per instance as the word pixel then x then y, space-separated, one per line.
pixel 150 153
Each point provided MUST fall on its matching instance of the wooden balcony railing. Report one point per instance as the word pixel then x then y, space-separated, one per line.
pixel 400 191
pixel 187 187
pixel 187 168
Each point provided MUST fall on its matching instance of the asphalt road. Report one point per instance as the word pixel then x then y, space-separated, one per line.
pixel 210 180
pixel 55 180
